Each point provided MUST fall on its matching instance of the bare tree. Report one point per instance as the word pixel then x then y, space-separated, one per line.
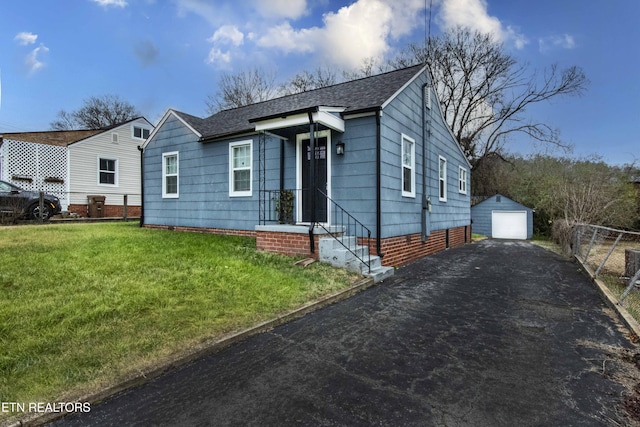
pixel 576 190
pixel 242 88
pixel 485 91
pixel 371 66
pixel 97 112
pixel 65 121
pixel 305 81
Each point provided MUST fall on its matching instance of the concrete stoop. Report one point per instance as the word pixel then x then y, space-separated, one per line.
pixel 334 252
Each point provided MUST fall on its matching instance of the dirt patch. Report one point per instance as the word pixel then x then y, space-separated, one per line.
pixel 623 366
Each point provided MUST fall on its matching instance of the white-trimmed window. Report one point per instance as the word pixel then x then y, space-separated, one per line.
pixel 107 171
pixel 240 168
pixel 140 132
pixel 408 166
pixel 462 180
pixel 170 177
pixel 442 178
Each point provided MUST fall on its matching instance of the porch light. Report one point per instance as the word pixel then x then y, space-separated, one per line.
pixel 340 148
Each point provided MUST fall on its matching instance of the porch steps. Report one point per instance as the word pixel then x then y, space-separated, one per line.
pixel 333 252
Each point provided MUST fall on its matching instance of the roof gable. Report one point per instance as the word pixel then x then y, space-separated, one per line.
pixel 191 122
pixel 112 129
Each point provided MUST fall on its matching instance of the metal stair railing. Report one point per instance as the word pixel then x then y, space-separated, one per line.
pixel 351 226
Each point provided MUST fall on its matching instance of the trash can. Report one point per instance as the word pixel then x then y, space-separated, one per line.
pixel 96 206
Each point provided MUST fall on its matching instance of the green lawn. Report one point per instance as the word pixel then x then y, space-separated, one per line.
pixel 82 305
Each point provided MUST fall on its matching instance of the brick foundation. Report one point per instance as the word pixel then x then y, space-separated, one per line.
pixel 109 210
pixel 292 244
pixel 401 250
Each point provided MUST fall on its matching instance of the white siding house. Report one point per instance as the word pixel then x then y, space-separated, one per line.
pixel 108 164
pixel 75 165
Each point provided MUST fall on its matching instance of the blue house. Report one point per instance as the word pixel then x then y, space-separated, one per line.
pixel 370 160
pixel 502 218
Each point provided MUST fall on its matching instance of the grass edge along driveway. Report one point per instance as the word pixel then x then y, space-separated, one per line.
pixel 83 306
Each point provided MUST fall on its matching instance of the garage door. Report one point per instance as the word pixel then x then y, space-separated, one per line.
pixel 509 224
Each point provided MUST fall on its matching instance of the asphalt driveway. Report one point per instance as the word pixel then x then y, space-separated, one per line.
pixel 496 333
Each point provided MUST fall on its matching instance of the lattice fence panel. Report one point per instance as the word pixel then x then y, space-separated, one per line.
pixel 38 167
pixel 22 164
pixel 52 169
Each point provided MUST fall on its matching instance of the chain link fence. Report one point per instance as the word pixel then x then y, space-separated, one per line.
pixel 613 256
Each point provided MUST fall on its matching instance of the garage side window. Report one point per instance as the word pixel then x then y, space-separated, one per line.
pixel 442 178
pixel 408 167
pixel 107 171
pixel 240 168
pixel 170 177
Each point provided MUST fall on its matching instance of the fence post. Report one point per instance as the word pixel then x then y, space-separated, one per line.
pixel 577 235
pixel 124 207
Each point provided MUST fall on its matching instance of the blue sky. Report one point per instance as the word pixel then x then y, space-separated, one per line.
pixel 160 54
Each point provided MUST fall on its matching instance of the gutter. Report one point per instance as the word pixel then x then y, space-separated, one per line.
pixel 141 185
pixel 378 185
pixel 425 201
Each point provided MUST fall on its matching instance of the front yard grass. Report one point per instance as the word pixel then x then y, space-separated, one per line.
pixel 84 305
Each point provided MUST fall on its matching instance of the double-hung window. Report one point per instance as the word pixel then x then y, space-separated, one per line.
pixel 442 178
pixel 408 167
pixel 240 168
pixel 462 180
pixel 170 177
pixel 107 173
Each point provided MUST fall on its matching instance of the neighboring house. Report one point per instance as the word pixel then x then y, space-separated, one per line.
pixel 502 218
pixel 78 165
pixel 384 158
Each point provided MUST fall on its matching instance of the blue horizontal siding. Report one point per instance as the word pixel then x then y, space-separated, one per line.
pixel 204 199
pixel 402 215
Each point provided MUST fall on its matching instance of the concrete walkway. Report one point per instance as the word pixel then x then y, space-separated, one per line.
pixel 491 334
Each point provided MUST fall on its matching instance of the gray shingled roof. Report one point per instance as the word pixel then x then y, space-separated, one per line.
pixel 355 96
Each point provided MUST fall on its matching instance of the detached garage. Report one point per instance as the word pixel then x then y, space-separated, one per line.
pixel 500 217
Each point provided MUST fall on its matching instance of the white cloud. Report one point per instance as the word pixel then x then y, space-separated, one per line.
pixel 356 32
pixel 474 14
pixel 284 37
pixel 227 33
pixel 282 9
pixel 107 3
pixel 25 38
pixel 564 41
pixel 218 57
pixel 33 61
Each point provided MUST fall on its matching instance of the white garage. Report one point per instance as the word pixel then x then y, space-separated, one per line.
pixel 500 217
pixel 509 224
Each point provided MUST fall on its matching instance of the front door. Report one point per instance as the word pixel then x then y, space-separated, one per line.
pixel 321 172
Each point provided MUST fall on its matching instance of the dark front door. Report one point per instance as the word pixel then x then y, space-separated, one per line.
pixel 321 179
